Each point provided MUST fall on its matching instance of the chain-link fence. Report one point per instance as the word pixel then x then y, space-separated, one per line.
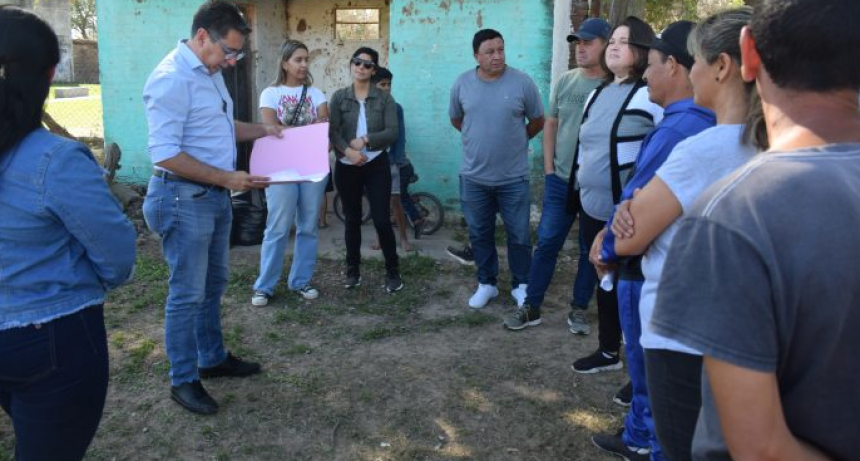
pixel 77 109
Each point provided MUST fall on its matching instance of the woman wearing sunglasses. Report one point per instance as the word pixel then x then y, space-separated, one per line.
pixel 291 101
pixel 363 125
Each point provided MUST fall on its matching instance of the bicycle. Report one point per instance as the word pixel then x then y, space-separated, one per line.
pixel 428 205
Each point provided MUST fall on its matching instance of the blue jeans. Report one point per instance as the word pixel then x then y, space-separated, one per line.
pixel 480 205
pixel 194 224
pixel 299 202
pixel 555 224
pixel 639 421
pixel 53 383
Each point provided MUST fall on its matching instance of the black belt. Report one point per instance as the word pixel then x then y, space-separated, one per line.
pixel 168 176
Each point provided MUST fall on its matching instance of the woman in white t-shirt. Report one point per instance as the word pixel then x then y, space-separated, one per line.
pixel 291 101
pixel 647 223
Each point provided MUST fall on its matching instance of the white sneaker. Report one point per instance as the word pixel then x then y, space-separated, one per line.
pixel 519 294
pixel 483 295
pixel 260 299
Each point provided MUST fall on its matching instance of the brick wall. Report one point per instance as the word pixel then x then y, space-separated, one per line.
pixel 86 57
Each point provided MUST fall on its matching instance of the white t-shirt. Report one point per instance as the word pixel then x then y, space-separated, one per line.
pixel 694 164
pixel 284 100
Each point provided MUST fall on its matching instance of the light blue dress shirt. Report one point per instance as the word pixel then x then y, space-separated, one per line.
pixel 189 110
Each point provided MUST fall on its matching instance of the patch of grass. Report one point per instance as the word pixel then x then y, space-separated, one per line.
pixel 416 266
pixel 297 349
pixel 151 269
pixel 138 352
pixel 233 341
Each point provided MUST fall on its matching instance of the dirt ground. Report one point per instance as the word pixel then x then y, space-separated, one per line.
pixel 358 374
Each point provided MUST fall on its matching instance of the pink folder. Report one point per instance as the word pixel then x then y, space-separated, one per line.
pixel 300 155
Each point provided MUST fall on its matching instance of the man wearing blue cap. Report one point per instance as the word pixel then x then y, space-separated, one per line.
pixel 668 76
pixel 561 131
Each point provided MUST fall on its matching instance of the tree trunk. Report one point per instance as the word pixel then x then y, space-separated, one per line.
pixel 616 10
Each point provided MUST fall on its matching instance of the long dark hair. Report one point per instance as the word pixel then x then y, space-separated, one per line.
pixel 718 34
pixel 29 50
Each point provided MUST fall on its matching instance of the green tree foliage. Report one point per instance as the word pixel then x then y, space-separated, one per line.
pixel 660 13
pixel 84 18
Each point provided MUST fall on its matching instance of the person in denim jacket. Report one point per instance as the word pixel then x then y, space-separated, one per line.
pixel 64 241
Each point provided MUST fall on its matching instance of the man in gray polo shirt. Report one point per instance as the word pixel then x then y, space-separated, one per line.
pixel 498 109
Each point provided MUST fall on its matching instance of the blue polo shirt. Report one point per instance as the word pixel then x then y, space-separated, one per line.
pixel 681 119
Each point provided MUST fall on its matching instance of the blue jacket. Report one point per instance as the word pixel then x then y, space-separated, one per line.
pixel 397 151
pixel 64 239
pixel 681 119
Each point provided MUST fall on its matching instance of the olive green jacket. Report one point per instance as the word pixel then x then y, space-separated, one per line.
pixel 381 113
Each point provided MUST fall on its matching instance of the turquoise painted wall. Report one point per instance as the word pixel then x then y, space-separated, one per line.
pixel 133 37
pixel 431 44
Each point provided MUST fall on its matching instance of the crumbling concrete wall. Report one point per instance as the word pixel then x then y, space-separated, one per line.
pixel 313 22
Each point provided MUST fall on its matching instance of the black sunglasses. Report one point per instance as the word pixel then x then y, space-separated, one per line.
pixel 363 62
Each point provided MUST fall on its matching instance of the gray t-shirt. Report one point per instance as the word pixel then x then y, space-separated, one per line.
pixel 763 275
pixel 566 103
pixel 595 142
pixel 694 164
pixel 494 113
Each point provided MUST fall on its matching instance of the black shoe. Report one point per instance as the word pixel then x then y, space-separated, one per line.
pixel 353 278
pixel 624 396
pixel 598 361
pixel 194 398
pixel 525 316
pixel 393 282
pixel 464 256
pixel 232 366
pixel 615 444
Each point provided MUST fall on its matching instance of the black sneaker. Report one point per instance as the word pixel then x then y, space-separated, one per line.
pixel 598 361
pixel 525 316
pixel 353 278
pixel 194 398
pixel 614 443
pixel 464 256
pixel 232 366
pixel 624 396
pixel 393 282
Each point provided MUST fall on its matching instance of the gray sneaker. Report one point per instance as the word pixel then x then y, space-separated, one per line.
pixel 525 316
pixel 577 322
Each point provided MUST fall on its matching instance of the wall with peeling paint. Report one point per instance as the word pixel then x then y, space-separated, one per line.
pixel 133 37
pixel 431 44
pixel 312 22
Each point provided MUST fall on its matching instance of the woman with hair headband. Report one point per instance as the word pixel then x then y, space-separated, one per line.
pixel 291 101
pixel 647 223
pixel 363 125
pixel 64 241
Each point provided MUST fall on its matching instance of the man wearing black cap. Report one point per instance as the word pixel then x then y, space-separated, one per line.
pixel 560 133
pixel 669 86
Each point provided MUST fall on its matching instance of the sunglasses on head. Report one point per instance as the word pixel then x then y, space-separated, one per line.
pixel 363 62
